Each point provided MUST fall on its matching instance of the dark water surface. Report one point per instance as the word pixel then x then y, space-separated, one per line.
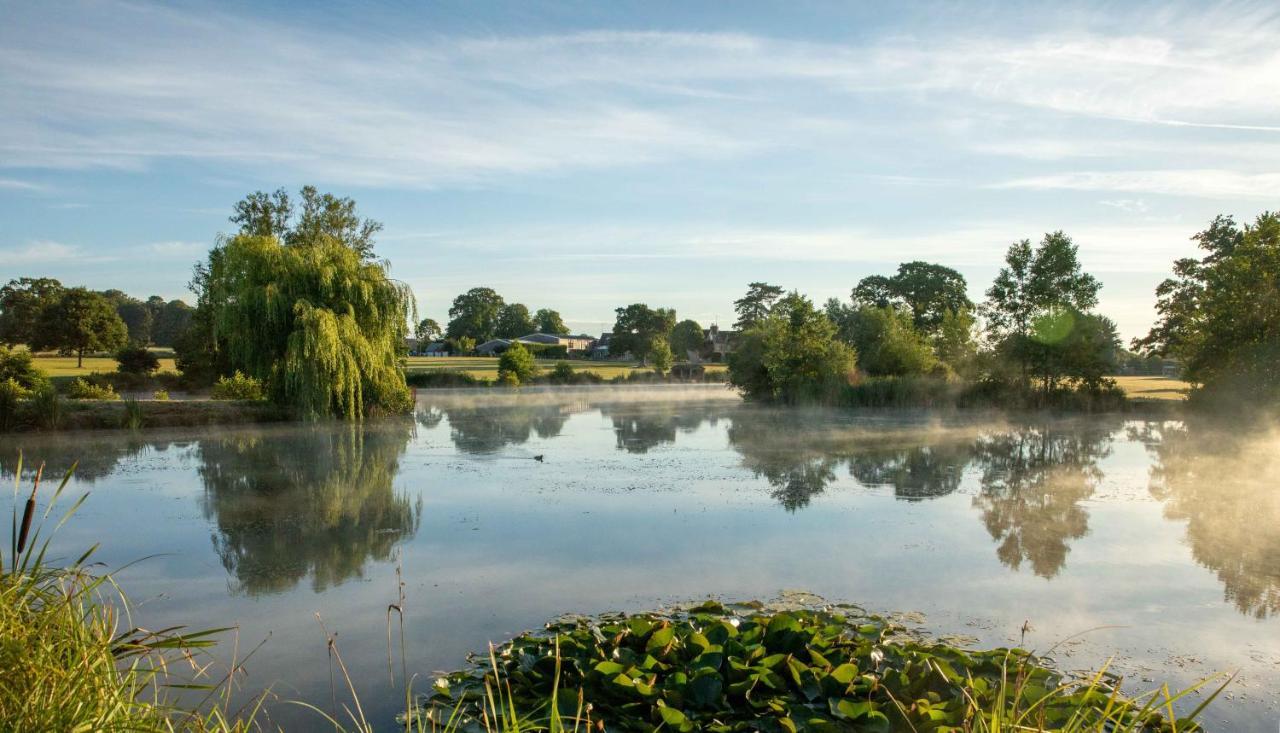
pixel 973 524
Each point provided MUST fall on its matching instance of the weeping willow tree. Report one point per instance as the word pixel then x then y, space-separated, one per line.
pixel 316 320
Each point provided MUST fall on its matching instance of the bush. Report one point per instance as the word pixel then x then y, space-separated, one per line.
pixel 161 395
pixel 82 389
pixel 516 365
pixel 238 387
pixel 11 396
pixel 16 364
pixel 443 378
pixel 137 360
pixel 562 373
pixel 46 408
pixel 905 391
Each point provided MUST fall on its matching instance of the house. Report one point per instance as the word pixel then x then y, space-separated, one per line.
pixel 581 342
pixel 436 348
pixel 718 344
pixel 493 347
pixel 600 348
pixel 411 346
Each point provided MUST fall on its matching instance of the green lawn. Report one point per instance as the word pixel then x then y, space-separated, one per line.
pixel 65 366
pixel 486 367
pixel 1153 388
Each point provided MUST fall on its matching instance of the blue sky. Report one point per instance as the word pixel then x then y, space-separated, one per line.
pixel 582 156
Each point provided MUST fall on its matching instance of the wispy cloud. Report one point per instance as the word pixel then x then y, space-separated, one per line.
pixel 16 185
pixel 1205 183
pixel 46 252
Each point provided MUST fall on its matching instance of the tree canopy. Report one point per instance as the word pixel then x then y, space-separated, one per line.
pixel 475 314
pixel 427 330
pixel 754 306
pixel 81 320
pixel 636 327
pixel 1220 315
pixel 21 303
pixel 926 290
pixel 549 321
pixel 320 215
pixel 791 358
pixel 686 336
pixel 885 339
pixel 514 321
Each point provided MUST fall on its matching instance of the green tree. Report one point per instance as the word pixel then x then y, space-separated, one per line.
pixel 954 343
pixel 1220 315
pixel 928 291
pixel 886 341
pixel 514 321
pixel 791 359
pixel 475 314
pixel 81 321
pixel 320 216
pixel 636 327
pixel 319 324
pixel 17 365
pixel 549 321
pixel 22 302
pixel 137 316
pixel 686 337
pixel 516 365
pixel 427 330
pixel 754 306
pixel 1035 283
pixel 171 322
pixel 660 356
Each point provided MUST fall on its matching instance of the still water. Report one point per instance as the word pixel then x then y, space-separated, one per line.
pixel 1162 539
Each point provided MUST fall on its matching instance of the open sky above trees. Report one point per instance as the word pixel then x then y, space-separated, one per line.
pixel 625 152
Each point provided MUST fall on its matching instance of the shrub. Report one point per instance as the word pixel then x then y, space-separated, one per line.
pixel 16 364
pixel 516 365
pixel 46 408
pixel 161 395
pixel 11 395
pixel 137 360
pixel 562 373
pixel 238 387
pixel 132 418
pixel 443 378
pixel 82 389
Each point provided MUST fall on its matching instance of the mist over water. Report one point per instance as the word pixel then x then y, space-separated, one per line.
pixel 1166 533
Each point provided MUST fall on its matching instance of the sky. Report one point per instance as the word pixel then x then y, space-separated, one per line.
pixel 586 155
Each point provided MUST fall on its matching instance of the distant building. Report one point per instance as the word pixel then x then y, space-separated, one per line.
pixel 718 344
pixel 436 348
pixel 573 345
pixel 411 346
pixel 493 347
pixel 600 349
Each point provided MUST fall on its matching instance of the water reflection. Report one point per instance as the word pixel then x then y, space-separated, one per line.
pixel 488 429
pixel 1033 481
pixel 1224 486
pixel 314 502
pixel 642 430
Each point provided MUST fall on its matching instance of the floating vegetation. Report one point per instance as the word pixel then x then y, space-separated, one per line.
pixel 746 667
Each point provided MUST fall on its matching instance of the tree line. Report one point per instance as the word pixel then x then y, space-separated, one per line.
pixel 43 314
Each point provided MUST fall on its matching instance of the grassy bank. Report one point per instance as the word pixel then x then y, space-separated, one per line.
pixel 486 368
pixel 65 366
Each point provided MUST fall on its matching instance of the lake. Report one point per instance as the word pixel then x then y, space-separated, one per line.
pixel 1160 540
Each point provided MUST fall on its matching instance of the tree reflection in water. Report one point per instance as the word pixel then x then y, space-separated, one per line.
pixel 1033 480
pixel 490 428
pixel 316 501
pixel 1223 484
pixel 641 428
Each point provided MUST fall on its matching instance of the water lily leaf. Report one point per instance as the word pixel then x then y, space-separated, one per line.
pixel 705 690
pixel 844 674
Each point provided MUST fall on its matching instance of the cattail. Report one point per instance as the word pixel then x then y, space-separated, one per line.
pixel 29 511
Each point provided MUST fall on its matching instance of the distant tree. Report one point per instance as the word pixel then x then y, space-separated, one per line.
pixel 886 341
pixel 1034 283
pixel 174 318
pixel 754 306
pixel 636 327
pixel 954 343
pixel 686 337
pixel 549 321
pixel 462 345
pixel 796 358
pixel 137 316
pixel 21 303
pixel 660 356
pixel 1220 315
pixel 426 331
pixel 1067 344
pixel 17 365
pixel 81 321
pixel 320 215
pixel 514 321
pixel 475 314
pixel 516 365
pixel 926 290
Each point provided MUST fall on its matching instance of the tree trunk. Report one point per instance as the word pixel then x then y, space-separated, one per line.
pixel 79 358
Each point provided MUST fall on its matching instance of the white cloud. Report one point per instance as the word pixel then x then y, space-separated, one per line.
pixel 175 249
pixel 1205 183
pixel 16 185
pixel 46 252
pixel 1131 206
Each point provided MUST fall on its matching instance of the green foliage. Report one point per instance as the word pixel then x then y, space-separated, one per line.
pixel 83 389
pixel 11 396
pixel 660 356
pixel 516 365
pixel 549 321
pixel 46 407
pixel 426 331
pixel 319 326
pixel 79 321
pixel 172 320
pixel 132 418
pixel 238 386
pixel 561 373
pixel 755 305
pixel 22 304
pixel 739 669
pixel 792 359
pixel 474 315
pixel 1220 315
pixel 885 339
pixel 636 327
pixel 444 378
pixel 321 216
pixel 18 366
pixel 139 319
pixel 160 395
pixel 686 337
pixel 927 291
pixel 514 321
pixel 953 342
pixel 137 360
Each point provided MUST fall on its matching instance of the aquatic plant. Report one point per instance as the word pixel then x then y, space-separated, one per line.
pixel 46 407
pixel 132 418
pixel 743 668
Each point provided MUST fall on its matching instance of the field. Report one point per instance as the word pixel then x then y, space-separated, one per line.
pixel 486 367
pixel 1153 388
pixel 65 366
